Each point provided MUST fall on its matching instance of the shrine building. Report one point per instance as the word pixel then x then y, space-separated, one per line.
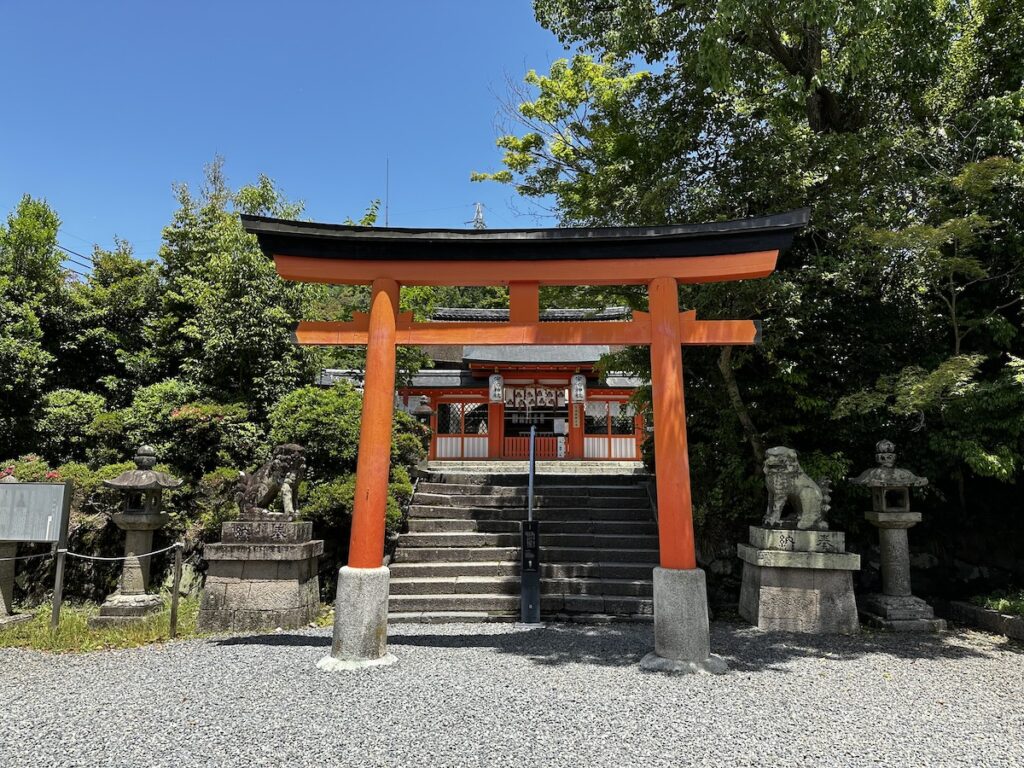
pixel 481 401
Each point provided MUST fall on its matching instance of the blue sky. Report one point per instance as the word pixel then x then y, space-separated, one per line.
pixel 107 103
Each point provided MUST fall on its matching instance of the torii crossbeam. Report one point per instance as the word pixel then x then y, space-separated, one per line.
pixel 659 257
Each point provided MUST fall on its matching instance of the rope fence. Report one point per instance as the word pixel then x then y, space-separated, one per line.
pixel 25 557
pixel 58 586
pixel 112 559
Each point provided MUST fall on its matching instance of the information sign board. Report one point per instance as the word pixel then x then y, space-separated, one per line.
pixel 34 512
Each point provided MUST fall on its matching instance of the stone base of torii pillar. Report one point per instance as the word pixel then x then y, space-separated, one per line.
pixel 682 638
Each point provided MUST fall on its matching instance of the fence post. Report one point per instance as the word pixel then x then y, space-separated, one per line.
pixel 175 589
pixel 58 591
pixel 62 548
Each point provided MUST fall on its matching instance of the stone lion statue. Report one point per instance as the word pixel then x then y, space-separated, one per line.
pixel 278 477
pixel 787 483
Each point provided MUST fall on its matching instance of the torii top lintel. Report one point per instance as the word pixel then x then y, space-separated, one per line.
pixel 690 253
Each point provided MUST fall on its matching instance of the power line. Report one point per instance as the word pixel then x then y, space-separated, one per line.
pixel 75 271
pixel 78 262
pixel 75 253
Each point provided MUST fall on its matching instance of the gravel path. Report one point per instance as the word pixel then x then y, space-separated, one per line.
pixel 494 695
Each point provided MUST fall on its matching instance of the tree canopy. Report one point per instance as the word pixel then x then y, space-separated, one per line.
pixel 898 311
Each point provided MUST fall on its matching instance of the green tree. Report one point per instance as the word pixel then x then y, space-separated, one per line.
pixel 32 284
pixel 108 344
pixel 900 126
pixel 64 427
pixel 226 317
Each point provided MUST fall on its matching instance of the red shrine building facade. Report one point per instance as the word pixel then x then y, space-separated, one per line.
pixel 481 401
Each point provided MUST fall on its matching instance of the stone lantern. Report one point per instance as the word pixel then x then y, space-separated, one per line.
pixel 141 515
pixel 896 608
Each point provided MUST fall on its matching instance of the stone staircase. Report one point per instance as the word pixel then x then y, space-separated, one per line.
pixel 459 560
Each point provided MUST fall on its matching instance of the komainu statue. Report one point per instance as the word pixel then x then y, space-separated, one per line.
pixel 280 476
pixel 788 484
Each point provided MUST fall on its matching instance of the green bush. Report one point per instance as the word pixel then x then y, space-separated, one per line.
pixel 107 443
pixel 399 495
pixel 329 504
pixel 64 426
pixel 324 421
pixel 1011 602
pixel 215 501
pixel 206 435
pixel 409 440
pixel 30 468
pixel 148 419
pixel 331 501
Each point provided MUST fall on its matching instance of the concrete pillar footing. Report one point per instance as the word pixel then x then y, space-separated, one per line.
pixel 360 621
pixel 682 633
pixel 712 665
pixel 331 664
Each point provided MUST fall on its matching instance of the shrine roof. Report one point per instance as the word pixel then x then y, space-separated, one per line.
pixel 473 314
pixel 284 237
pixel 539 354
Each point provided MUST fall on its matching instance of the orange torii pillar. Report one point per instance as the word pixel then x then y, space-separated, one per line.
pixel 681 628
pixel 361 607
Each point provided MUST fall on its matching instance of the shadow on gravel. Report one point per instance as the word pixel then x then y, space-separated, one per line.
pixel 552 645
pixel 621 645
pixel 749 650
pixel 277 639
pixel 744 648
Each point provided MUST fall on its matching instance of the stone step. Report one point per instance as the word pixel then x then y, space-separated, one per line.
pixel 547 540
pixel 636 527
pixel 449 539
pixel 493 603
pixel 548 555
pixel 594 570
pixel 590 555
pixel 476 617
pixel 456 555
pixel 449 617
pixel 509 513
pixel 510 585
pixel 624 605
pixel 519 501
pixel 612 605
pixel 603 491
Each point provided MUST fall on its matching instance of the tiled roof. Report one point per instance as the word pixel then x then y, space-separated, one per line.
pixel 472 314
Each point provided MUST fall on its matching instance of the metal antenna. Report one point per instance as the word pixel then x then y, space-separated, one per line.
pixel 387 187
pixel 478 217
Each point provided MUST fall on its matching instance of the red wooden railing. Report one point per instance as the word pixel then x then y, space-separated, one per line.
pixel 519 448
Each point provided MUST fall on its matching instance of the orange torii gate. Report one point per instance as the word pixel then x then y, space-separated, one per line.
pixel 659 257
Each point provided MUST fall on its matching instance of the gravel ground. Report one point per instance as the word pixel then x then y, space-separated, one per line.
pixel 494 695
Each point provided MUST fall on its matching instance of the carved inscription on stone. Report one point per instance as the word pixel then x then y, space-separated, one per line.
pixel 789 609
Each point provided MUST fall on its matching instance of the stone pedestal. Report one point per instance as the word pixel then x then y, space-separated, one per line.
pixel 360 621
pixel 682 639
pixel 896 608
pixel 130 603
pixel 262 576
pixel 798 581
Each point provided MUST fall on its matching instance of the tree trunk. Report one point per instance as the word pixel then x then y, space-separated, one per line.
pixel 738 406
